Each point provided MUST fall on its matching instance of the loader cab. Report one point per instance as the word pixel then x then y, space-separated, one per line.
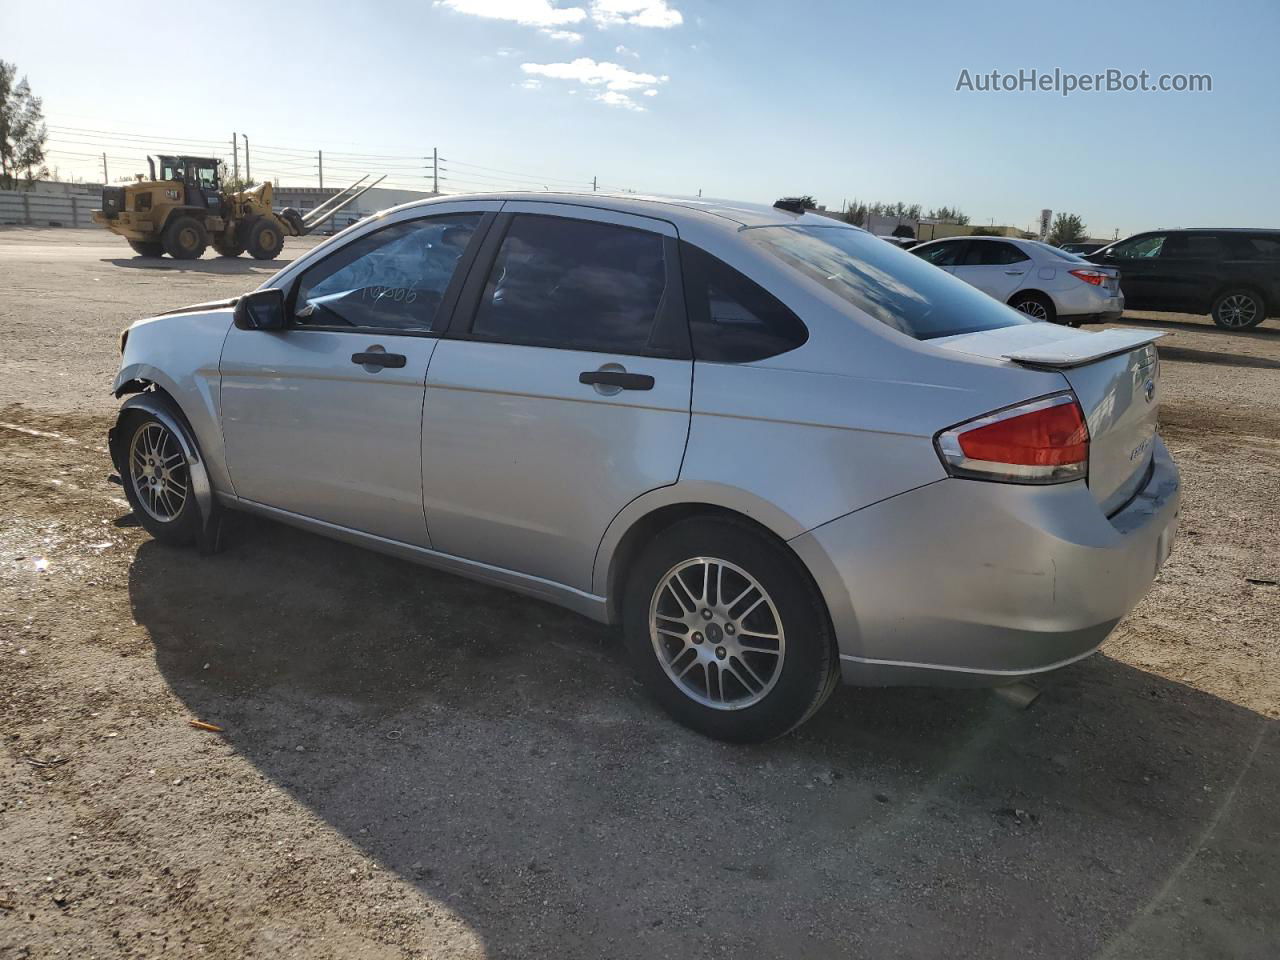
pixel 199 175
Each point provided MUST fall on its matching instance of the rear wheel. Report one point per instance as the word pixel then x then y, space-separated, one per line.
pixel 1239 310
pixel 728 632
pixel 147 248
pixel 185 238
pixel 1034 305
pixel 263 239
pixel 157 480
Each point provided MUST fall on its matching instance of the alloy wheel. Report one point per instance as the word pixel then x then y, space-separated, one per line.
pixel 158 471
pixel 1033 308
pixel 717 633
pixel 1238 310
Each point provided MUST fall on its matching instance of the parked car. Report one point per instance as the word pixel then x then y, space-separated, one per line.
pixel 1082 249
pixel 776 450
pixel 1044 282
pixel 1231 274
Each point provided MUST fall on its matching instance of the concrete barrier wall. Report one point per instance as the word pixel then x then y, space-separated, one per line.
pixel 31 209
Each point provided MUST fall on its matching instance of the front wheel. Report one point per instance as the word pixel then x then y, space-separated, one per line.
pixel 157 479
pixel 185 238
pixel 147 248
pixel 263 239
pixel 1238 310
pixel 728 632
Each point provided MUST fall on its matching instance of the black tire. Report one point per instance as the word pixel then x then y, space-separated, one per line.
pixel 185 238
pixel 147 248
pixel 225 247
pixel 183 526
pixel 809 668
pixel 1239 309
pixel 1034 305
pixel 263 238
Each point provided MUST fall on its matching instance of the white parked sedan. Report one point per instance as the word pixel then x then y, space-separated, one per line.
pixel 776 450
pixel 1045 282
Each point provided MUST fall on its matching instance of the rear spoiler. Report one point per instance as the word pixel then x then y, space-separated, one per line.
pixel 1075 350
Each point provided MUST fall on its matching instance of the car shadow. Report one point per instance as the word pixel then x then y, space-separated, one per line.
pixel 1207 326
pixel 220 265
pixel 495 753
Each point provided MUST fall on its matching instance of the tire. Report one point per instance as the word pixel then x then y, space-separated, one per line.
pixel 185 238
pixel 1238 309
pixel 225 247
pixel 147 248
pixel 1034 305
pixel 765 694
pixel 264 239
pixel 155 482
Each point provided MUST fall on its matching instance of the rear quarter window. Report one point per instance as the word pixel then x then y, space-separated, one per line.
pixel 900 290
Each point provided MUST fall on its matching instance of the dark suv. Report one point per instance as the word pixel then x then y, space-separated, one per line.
pixel 1233 275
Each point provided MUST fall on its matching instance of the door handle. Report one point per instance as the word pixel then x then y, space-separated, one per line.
pixel 616 378
pixel 378 359
pixel 1015 273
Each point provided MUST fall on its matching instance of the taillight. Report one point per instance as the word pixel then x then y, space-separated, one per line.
pixel 1095 278
pixel 1043 441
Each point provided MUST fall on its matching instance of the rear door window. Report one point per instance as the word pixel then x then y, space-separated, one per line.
pixel 992 253
pixel 1191 246
pixel 889 284
pixel 732 318
pixel 576 285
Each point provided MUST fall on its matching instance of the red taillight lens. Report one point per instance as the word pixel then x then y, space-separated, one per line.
pixel 1044 441
pixel 1094 278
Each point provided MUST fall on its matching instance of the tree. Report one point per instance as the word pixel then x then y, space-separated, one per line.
pixel 1067 228
pixel 22 130
pixel 949 215
pixel 904 230
pixel 808 202
pixel 856 213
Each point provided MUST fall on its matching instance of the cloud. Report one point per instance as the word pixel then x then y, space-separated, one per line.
pixel 637 13
pixel 612 98
pixel 531 83
pixel 569 36
pixel 612 76
pixel 622 51
pixel 651 92
pixel 529 13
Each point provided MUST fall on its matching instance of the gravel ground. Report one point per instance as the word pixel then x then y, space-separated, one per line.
pixel 412 765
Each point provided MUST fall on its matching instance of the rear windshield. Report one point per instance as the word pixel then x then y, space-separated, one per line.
pixel 894 286
pixel 1058 252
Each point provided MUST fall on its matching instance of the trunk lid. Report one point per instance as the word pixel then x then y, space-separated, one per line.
pixel 1115 375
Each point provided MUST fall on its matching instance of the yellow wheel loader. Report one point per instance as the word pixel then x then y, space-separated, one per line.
pixel 184 209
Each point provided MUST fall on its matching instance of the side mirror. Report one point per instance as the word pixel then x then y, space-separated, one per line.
pixel 261 310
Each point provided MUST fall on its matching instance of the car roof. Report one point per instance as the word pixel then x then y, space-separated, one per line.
pixel 675 209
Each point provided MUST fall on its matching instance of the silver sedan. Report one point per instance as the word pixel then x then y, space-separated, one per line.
pixel 1043 281
pixel 777 451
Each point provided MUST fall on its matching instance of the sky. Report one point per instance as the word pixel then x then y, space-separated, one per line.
pixel 750 99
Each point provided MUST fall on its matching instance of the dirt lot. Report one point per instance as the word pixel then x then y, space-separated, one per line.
pixel 418 766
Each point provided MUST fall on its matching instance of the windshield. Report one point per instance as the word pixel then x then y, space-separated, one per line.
pixel 892 285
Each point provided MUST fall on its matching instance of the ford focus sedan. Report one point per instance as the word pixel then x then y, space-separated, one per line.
pixel 775 450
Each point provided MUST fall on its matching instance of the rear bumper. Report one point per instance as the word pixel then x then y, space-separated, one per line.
pixel 963 582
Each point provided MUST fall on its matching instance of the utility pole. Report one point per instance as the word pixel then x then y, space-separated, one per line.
pixel 593 184
pixel 105 178
pixel 235 157
pixel 435 170
pixel 247 175
pixel 320 158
